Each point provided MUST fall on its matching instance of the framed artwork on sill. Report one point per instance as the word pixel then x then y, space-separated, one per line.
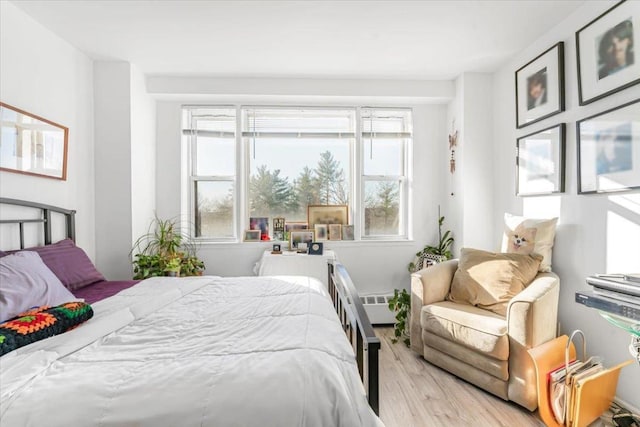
pixel 540 87
pixel 335 232
pixel 300 237
pixel 252 235
pixel 347 232
pixel 327 214
pixel 609 150
pixel 540 160
pixel 606 50
pixel 321 231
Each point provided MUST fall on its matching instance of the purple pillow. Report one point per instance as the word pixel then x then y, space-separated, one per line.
pixel 26 282
pixel 69 263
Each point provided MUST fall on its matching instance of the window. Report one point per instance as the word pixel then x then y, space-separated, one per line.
pixel 213 171
pixel 283 159
pixel 385 140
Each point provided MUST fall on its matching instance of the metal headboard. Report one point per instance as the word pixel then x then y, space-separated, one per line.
pixel 45 219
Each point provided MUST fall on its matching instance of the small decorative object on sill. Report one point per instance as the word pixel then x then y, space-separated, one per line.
pixel 277 249
pixel 315 248
pixel 302 248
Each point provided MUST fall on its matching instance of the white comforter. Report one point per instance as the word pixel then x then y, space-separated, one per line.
pixel 251 351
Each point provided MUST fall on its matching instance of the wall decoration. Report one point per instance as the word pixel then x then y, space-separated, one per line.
pixel 605 49
pixel 540 87
pixel 453 142
pixel 298 237
pixel 609 150
pixel 32 145
pixel 327 214
pixel 540 160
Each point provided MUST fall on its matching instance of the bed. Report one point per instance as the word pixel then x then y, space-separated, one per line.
pixel 199 351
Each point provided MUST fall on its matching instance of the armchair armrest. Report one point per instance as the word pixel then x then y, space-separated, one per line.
pixel 428 285
pixel 532 314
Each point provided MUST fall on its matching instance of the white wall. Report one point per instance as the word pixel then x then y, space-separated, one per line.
pixel 44 75
pixel 375 266
pixel 113 168
pixel 143 155
pixel 596 233
pixel 469 190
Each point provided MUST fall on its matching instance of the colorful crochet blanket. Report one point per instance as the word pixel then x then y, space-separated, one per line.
pixel 40 323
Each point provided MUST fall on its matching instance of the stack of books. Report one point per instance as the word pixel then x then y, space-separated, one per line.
pixel 617 294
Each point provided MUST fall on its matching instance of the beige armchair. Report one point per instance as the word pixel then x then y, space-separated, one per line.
pixel 480 346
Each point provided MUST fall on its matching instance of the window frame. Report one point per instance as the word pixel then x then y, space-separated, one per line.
pixel 357 178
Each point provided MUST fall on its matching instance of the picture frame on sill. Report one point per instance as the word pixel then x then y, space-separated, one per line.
pixel 252 235
pixel 297 237
pixel 605 53
pixel 335 232
pixel 277 249
pixel 278 228
pixel 327 214
pixel 295 226
pixel 609 150
pixel 347 232
pixel 260 223
pixel 540 87
pixel 315 248
pixel 540 162
pixel 322 232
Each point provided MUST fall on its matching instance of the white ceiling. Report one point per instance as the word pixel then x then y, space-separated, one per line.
pixel 322 39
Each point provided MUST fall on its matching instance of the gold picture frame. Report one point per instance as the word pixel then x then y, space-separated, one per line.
pixel 327 214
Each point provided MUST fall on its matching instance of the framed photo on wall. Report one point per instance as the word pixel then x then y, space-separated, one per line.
pixel 540 87
pixel 607 52
pixel 540 162
pixel 609 150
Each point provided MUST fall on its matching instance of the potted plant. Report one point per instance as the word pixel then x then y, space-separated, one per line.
pixel 440 252
pixel 400 303
pixel 172 267
pixel 164 250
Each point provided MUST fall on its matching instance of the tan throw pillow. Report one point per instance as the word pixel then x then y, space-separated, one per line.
pixel 489 280
pixel 529 236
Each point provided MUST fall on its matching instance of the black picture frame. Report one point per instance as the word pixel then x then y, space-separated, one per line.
pixel 540 87
pixel 315 248
pixel 609 150
pixel 600 71
pixel 540 162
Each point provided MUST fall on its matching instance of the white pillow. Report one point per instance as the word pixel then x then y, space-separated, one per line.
pixel 26 282
pixel 529 236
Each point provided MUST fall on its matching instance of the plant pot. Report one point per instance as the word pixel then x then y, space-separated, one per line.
pixel 172 273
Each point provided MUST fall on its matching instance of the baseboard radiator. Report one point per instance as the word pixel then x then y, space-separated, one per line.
pixel 377 308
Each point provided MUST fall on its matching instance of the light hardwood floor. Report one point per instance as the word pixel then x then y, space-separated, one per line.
pixel 414 393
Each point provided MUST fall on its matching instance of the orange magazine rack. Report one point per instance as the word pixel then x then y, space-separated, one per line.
pixel 592 396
